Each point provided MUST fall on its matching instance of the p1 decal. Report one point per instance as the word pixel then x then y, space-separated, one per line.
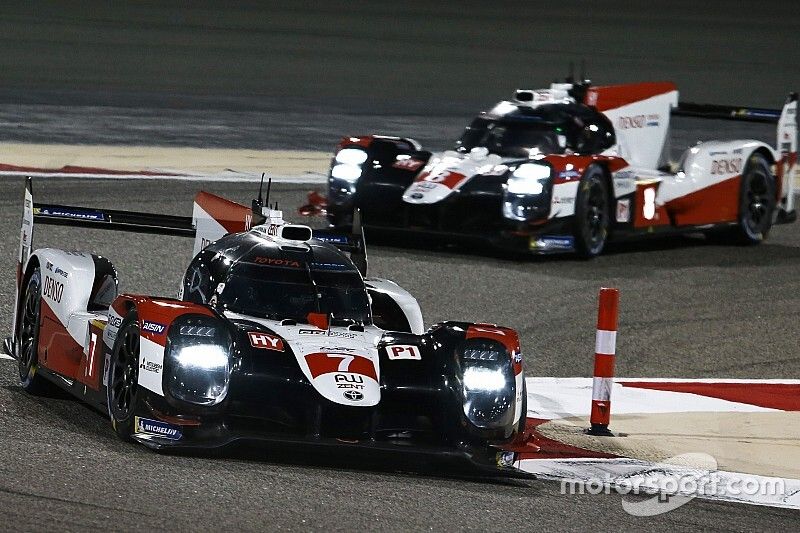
pixel 265 341
pixel 403 351
pixel 153 327
pixel 149 427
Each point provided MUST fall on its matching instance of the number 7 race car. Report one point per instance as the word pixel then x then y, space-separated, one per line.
pixel 568 168
pixel 276 336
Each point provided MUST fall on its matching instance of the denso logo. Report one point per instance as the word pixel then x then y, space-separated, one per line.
pixel 726 166
pixel 52 289
pixel 153 327
pixel 638 121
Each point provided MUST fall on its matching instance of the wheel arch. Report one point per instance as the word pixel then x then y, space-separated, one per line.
pixel 33 263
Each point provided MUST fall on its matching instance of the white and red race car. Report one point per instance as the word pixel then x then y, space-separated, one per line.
pixel 276 337
pixel 570 167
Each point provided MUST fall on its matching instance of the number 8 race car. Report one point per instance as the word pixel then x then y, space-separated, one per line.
pixel 567 169
pixel 276 336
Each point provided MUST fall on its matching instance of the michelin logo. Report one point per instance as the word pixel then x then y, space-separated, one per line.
pixel 147 426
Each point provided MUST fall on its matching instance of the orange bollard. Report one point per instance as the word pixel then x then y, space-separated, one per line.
pixel 604 353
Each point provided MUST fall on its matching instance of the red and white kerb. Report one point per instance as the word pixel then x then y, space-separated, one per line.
pixel 605 350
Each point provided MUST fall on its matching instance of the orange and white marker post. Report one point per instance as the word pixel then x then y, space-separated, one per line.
pixel 604 353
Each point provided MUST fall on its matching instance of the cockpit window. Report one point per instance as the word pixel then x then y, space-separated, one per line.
pixel 512 139
pixel 289 293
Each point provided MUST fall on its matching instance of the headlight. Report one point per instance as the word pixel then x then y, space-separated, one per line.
pixel 488 384
pixel 483 379
pixel 528 178
pixel 346 172
pixel 351 156
pixel 197 360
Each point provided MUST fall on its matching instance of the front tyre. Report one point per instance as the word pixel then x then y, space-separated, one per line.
pixel 123 378
pixel 591 213
pixel 28 341
pixel 756 201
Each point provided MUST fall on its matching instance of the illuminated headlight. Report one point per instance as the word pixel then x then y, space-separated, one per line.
pixel 346 172
pixel 351 156
pixel 484 379
pixel 197 360
pixel 528 178
pixel 488 384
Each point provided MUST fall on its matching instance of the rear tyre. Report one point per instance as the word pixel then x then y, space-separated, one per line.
pixel 756 201
pixel 591 213
pixel 28 342
pixel 123 378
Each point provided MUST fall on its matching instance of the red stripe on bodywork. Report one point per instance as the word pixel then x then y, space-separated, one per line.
pixel 158 310
pixel 505 336
pixel 614 96
pixel 782 396
pixel 564 163
pixel 230 215
pixel 90 369
pixel 57 350
pixel 363 141
pixel 709 205
pixel 325 363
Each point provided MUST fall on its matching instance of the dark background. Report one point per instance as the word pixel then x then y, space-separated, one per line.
pixel 403 56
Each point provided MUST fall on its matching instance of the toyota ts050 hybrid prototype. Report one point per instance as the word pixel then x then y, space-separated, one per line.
pixel 276 336
pixel 568 168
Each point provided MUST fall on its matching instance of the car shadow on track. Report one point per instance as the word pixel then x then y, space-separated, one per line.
pixel 335 459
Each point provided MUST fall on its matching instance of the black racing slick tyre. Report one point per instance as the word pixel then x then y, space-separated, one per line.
pixel 756 201
pixel 591 213
pixel 28 341
pixel 123 378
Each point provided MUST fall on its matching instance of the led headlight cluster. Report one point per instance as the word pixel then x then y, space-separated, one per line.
pixel 487 380
pixel 528 178
pixel 197 360
pixel 527 192
pixel 348 163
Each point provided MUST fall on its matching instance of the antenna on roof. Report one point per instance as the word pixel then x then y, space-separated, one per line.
pixel 269 187
pixel 258 204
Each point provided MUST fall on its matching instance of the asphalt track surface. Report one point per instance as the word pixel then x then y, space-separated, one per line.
pixel 286 75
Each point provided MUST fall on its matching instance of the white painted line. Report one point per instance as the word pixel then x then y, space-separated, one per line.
pixel 555 398
pixel 4 356
pixel 310 178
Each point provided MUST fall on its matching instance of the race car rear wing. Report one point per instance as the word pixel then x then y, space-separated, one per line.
pixel 212 218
